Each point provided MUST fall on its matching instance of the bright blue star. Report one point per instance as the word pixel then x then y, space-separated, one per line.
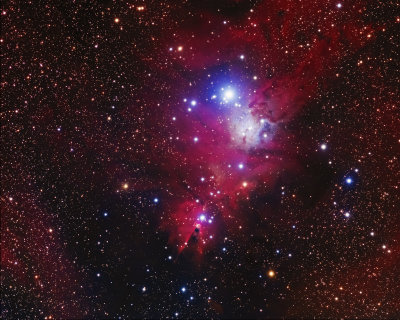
pixel 227 94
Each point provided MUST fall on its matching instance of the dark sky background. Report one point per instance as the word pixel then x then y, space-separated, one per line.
pixel 200 159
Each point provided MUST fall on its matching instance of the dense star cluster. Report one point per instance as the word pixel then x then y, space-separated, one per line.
pixel 200 159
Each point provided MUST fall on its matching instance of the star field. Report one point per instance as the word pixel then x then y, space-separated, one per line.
pixel 200 159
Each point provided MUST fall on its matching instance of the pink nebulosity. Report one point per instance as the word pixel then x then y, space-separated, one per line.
pixel 222 141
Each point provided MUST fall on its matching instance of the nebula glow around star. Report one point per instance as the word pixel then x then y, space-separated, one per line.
pixel 200 159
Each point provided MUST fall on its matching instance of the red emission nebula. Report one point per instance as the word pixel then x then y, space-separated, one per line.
pixel 200 159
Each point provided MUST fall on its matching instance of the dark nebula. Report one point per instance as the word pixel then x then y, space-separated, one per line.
pixel 200 159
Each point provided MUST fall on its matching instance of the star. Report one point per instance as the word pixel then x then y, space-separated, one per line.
pixel 349 180
pixel 271 273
